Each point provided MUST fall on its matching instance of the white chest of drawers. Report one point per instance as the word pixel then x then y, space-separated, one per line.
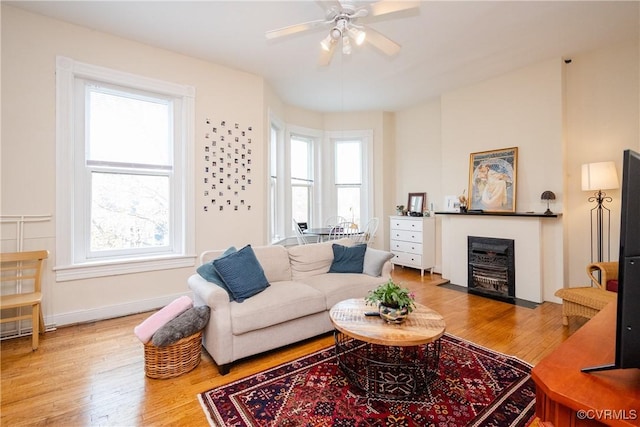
pixel 413 242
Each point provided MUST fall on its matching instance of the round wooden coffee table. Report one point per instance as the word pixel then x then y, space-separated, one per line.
pixel 383 359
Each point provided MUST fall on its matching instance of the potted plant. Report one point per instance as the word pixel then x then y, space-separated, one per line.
pixel 394 302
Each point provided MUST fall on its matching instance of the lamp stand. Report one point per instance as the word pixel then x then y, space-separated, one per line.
pixel 599 212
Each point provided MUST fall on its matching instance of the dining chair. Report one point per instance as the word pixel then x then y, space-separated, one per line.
pixel 369 232
pixel 22 272
pixel 302 239
pixel 344 229
pixel 334 220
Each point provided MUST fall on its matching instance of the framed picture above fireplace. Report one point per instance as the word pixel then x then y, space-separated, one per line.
pixel 492 180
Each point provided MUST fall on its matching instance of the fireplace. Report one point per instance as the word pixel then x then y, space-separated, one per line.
pixel 491 267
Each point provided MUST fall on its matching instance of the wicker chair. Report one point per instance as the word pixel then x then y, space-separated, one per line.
pixel 608 271
pixel 589 300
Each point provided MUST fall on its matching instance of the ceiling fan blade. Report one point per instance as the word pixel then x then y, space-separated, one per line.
pixel 326 55
pixel 293 29
pixel 381 42
pixel 329 6
pixel 384 7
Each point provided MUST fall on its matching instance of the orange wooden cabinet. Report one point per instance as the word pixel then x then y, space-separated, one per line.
pixel 565 396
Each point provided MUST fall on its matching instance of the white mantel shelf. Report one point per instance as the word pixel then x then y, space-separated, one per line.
pixel 538 249
pixel 520 214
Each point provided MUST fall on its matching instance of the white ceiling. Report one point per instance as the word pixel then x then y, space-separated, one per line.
pixel 445 44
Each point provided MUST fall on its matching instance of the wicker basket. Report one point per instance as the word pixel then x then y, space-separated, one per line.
pixel 172 360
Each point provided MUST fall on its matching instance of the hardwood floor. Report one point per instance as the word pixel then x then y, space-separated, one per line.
pixel 93 374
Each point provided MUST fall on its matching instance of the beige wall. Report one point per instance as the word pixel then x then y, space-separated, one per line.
pixel 30 44
pixel 602 105
pixel 424 148
pixel 559 116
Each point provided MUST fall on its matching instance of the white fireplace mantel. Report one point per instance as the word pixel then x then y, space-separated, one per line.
pixel 537 249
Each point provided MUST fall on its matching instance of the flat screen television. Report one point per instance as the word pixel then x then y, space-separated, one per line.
pixel 627 352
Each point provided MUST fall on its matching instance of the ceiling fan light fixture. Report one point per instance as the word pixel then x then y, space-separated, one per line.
pixel 335 33
pixel 326 43
pixel 357 35
pixel 346 46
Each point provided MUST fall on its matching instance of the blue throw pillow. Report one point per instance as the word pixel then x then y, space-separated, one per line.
pixel 348 259
pixel 209 273
pixel 242 273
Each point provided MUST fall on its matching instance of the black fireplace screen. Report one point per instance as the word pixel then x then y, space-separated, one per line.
pixel 491 269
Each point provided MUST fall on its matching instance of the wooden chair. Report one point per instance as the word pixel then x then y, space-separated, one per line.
pixel 334 220
pixel 17 271
pixel 587 301
pixel 302 239
pixel 369 232
pixel 344 229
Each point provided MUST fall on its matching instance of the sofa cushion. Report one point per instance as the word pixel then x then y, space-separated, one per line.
pixel 242 273
pixel 347 259
pixel 374 260
pixel 313 259
pixel 337 287
pixel 281 302
pixel 274 259
pixel 209 273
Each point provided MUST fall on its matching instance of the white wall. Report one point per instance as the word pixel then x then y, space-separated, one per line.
pixel 30 44
pixel 603 108
pixel 559 116
pixel 425 148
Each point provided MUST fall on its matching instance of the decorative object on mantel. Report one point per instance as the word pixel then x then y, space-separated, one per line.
pixel 394 302
pixel 546 197
pixel 452 204
pixel 597 177
pixel 492 180
pixel 400 210
pixel 463 202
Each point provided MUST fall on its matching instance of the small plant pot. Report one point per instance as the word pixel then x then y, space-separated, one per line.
pixel 392 314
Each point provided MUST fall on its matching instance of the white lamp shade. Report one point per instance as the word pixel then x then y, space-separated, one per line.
pixel 599 176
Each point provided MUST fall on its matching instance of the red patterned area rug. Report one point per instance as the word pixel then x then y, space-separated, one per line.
pixel 473 386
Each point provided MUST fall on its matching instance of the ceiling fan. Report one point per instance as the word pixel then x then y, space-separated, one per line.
pixel 341 18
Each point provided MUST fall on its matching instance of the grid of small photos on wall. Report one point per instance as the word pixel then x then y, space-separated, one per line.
pixel 227 170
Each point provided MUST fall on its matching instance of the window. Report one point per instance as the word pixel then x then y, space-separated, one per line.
pixel 302 178
pixel 351 196
pixel 318 175
pixel 124 189
pixel 348 179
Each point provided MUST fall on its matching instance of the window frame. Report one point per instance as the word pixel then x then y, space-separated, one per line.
pixel 72 185
pixel 316 138
pixel 276 203
pixel 365 137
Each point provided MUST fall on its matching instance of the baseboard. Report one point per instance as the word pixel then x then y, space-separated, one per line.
pixel 112 311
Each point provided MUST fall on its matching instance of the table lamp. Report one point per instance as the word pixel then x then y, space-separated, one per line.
pixel 548 196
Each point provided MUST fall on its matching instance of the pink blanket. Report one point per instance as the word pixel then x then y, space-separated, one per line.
pixel 145 330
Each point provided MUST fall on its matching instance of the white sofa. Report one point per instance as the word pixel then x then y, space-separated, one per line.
pixel 294 307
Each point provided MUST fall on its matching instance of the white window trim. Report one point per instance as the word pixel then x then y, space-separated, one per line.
pixel 317 137
pixel 67 70
pixel 280 234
